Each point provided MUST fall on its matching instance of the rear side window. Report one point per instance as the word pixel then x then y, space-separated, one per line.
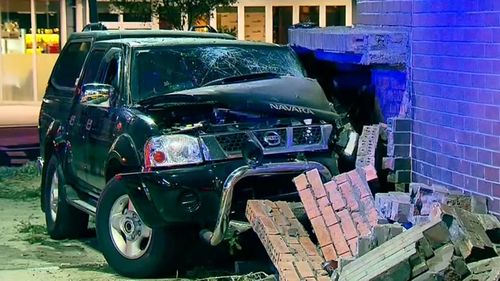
pixel 70 63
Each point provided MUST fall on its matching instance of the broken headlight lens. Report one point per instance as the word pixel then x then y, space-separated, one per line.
pixel 172 150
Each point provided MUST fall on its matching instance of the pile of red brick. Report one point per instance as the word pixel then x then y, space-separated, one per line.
pixel 287 243
pixel 340 210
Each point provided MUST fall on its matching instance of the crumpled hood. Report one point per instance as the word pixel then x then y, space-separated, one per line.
pixel 284 96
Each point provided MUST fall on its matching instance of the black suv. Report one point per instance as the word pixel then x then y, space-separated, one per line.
pixel 174 134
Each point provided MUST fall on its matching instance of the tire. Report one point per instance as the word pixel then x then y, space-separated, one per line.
pixel 63 220
pixel 130 247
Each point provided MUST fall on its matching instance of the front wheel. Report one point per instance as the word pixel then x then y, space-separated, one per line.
pixel 130 247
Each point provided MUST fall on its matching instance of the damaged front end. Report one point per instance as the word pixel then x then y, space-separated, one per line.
pixel 160 200
pixel 221 145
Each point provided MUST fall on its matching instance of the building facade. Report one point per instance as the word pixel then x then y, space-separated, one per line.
pixel 34 31
pixel 436 62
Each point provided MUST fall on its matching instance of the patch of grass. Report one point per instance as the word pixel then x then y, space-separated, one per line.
pixel 34 233
pixel 20 183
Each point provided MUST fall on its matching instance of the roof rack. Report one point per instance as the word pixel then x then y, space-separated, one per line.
pixel 94 26
pixel 203 28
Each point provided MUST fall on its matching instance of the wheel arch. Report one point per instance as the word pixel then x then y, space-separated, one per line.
pixel 50 147
pixel 122 157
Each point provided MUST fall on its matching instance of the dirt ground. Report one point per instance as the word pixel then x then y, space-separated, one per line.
pixel 26 251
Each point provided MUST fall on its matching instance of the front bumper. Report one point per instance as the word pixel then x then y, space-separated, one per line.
pixel 199 195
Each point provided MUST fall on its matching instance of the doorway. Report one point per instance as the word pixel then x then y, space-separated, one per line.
pixel 282 20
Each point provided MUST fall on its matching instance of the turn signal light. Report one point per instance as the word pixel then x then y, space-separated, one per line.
pixel 159 156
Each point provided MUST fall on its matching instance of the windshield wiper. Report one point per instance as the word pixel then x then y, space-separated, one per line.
pixel 160 100
pixel 240 78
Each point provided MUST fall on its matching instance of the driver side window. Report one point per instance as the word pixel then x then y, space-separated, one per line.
pixel 94 60
pixel 101 78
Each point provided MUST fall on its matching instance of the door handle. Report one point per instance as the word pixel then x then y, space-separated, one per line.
pixel 89 124
pixel 72 120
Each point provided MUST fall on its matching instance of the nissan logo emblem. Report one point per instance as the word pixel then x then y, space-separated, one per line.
pixel 272 138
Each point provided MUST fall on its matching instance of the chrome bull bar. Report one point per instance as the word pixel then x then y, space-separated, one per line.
pixel 217 235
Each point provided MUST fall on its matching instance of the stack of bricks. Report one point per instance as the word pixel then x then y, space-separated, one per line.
pixel 286 241
pixel 367 146
pixel 445 248
pixel 340 211
pixel 398 152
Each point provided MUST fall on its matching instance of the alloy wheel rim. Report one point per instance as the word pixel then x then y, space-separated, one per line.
pixel 54 196
pixel 130 236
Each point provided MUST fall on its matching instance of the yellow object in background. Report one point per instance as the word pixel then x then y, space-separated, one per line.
pixel 47 43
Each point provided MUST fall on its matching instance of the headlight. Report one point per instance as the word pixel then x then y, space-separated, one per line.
pixel 172 150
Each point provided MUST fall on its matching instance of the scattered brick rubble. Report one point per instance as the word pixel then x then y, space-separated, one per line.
pixel 287 243
pixel 451 236
pixel 437 250
pixel 394 206
pixel 340 210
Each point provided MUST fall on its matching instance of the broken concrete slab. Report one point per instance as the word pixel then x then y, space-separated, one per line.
pixel 467 233
pixel 485 270
pixel 383 260
pixel 369 45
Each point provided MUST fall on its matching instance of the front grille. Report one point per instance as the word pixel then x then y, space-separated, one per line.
pixel 272 141
pixel 231 143
pixel 306 135
pixel 272 138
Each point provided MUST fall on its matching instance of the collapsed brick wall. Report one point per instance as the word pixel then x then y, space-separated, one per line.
pixel 455 81
pixel 341 210
pixel 286 241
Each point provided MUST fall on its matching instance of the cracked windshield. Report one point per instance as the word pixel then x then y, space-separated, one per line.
pixel 165 70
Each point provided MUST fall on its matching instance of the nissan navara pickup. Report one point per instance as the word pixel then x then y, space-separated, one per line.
pixel 166 134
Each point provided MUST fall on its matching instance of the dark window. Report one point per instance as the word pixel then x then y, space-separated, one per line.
pixel 70 63
pixel 92 67
pixel 111 76
pixel 335 15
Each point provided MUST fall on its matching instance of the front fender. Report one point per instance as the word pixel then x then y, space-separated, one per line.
pixel 138 193
pixel 125 152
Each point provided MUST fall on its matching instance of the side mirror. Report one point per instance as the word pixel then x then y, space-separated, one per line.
pixel 96 94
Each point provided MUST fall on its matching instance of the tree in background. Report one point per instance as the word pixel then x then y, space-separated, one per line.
pixel 173 12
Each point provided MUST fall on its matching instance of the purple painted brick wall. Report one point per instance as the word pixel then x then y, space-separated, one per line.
pixel 384 12
pixel 455 79
pixel 390 88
